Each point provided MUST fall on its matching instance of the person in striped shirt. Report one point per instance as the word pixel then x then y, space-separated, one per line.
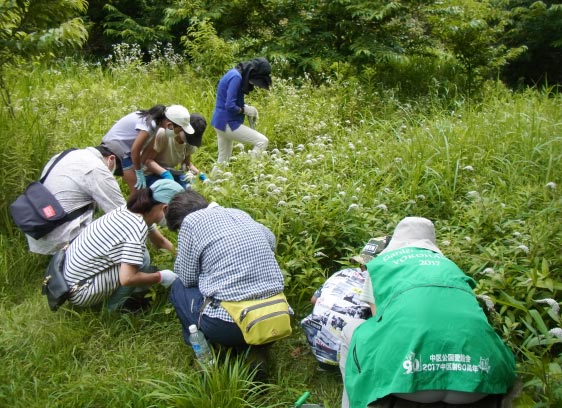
pixel 108 259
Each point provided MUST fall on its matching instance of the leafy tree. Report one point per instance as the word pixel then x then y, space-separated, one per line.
pixel 538 26
pixel 37 29
pixel 471 31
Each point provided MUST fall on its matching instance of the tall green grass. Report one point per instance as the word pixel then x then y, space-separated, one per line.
pixel 344 164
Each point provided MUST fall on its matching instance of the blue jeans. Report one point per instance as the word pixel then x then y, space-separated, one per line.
pixel 188 302
pixel 121 294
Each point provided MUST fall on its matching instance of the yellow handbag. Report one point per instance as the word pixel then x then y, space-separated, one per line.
pixel 261 321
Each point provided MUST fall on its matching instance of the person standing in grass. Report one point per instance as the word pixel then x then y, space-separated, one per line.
pixel 167 152
pixel 133 132
pixel 429 341
pixel 230 108
pixel 109 259
pixel 81 181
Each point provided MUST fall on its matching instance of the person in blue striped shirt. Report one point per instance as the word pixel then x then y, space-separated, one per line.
pixel 223 254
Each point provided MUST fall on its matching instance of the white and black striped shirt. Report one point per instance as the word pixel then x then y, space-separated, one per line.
pixel 97 253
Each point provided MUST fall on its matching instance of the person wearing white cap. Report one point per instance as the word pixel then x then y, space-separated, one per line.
pixel 429 341
pixel 130 135
pixel 338 302
pixel 164 154
pixel 108 260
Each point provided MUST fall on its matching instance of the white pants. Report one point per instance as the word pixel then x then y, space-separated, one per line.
pixel 243 134
pixel 344 349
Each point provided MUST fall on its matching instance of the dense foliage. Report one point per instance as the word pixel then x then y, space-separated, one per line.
pixel 344 164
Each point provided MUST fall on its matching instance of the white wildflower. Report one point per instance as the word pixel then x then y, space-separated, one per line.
pixel 554 306
pixel 227 174
pixel 446 243
pixel 320 254
pixel 556 332
pixel 352 207
pixel 351 146
pixel 488 271
pixel 420 197
pixel 271 186
pixel 473 194
pixel 382 207
pixel 523 248
pixel 468 239
pixel 306 198
pixel 342 193
pixel 308 162
pixel 516 234
pixel 300 147
pixel 398 159
pixel 354 198
pixel 281 203
pixel 551 185
pixel 275 151
pixel 488 301
pixel 468 168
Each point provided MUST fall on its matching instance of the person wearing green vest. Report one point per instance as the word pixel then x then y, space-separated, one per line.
pixel 429 341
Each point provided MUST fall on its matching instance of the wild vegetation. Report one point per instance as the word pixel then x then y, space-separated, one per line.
pixel 378 110
pixel 346 161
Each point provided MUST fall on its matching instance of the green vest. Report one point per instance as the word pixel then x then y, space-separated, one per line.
pixel 429 333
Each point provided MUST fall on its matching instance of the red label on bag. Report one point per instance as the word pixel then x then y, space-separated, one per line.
pixel 49 211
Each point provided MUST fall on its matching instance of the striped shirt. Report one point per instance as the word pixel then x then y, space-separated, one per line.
pixel 96 255
pixel 229 256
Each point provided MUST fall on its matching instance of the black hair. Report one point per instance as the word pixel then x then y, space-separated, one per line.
pixel 156 113
pixel 181 205
pixel 105 152
pixel 199 124
pixel 141 201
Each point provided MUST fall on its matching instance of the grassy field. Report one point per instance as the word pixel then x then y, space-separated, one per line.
pixel 344 164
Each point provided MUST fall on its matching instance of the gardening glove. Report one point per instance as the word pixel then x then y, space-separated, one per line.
pixel 167 277
pixel 250 111
pixel 141 181
pixel 167 175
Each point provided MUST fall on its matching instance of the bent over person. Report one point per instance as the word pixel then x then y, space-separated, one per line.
pixel 81 181
pixel 223 255
pixel 429 341
pixel 109 259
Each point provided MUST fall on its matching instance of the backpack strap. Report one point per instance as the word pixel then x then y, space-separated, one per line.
pixel 60 156
pixel 76 213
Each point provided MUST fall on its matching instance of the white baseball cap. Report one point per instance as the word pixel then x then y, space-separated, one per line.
pixel 180 116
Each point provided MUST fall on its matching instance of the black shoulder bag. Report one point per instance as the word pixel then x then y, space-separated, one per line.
pixel 37 212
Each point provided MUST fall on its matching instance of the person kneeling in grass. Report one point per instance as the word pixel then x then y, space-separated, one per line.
pixel 108 260
pixel 223 255
pixel 166 152
pixel 429 341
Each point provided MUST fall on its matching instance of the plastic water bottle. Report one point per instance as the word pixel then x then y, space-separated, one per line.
pixel 200 345
pixel 202 177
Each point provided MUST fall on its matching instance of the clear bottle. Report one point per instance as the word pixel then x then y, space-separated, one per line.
pixel 200 345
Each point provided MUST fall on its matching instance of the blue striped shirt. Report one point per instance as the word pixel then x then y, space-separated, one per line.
pixel 229 256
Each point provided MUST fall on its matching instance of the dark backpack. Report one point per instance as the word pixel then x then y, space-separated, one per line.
pixel 37 212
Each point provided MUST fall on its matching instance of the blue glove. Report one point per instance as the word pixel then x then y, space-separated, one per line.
pixel 167 175
pixel 141 181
